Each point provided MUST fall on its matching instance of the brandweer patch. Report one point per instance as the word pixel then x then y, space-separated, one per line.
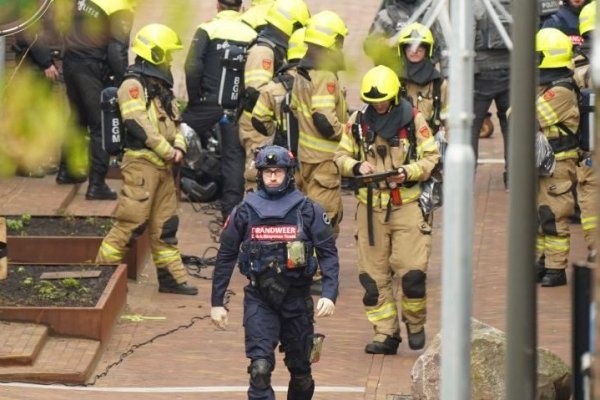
pixel 279 232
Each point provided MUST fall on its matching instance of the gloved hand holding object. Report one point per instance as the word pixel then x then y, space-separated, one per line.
pixel 325 307
pixel 218 315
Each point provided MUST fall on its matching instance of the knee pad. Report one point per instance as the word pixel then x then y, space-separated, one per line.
pixel 371 296
pixel 547 220
pixel 260 373
pixel 169 230
pixel 413 284
pixel 302 383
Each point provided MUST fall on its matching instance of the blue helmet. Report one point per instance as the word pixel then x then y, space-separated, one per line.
pixel 275 157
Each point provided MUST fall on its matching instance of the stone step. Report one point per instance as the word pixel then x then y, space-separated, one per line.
pixel 20 343
pixel 62 359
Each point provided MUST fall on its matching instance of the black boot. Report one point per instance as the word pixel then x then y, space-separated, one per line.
pixel 554 277
pixel 540 268
pixel 63 177
pixel 196 192
pixel 389 346
pixel 168 284
pixel 416 341
pixel 100 191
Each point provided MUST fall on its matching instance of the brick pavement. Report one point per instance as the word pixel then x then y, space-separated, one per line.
pixel 202 356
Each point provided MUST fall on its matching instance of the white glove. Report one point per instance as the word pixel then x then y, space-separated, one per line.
pixel 218 315
pixel 325 307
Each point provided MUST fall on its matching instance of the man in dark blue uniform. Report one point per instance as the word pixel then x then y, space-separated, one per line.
pixel 275 234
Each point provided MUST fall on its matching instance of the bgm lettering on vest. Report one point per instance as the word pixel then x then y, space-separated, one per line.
pixel 274 233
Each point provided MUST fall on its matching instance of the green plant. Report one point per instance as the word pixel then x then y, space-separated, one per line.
pixel 47 290
pixel 71 283
pixel 15 225
pixel 27 281
pixel 18 224
pixel 20 270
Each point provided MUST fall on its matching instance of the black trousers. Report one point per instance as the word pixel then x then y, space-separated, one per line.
pixel 201 118
pixel 491 86
pixel 84 80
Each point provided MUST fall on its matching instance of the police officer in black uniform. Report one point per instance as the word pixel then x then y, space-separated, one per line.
pixel 95 57
pixel 274 234
pixel 492 75
pixel 213 85
pixel 566 19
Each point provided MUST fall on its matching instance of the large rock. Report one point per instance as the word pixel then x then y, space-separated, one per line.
pixel 488 355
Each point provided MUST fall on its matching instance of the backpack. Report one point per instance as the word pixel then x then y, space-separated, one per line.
pixel 584 135
pixel 113 139
pixel 231 82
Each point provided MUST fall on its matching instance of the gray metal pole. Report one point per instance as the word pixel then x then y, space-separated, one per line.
pixel 457 250
pixel 595 72
pixel 521 358
pixel 2 61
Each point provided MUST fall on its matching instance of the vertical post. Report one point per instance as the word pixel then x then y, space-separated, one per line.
pixel 521 358
pixel 2 63
pixel 3 250
pixel 595 73
pixel 458 212
pixel 581 335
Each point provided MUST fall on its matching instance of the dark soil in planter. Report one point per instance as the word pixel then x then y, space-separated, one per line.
pixel 23 287
pixel 58 226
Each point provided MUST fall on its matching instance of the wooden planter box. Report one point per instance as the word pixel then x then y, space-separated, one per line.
pixel 73 249
pixel 85 322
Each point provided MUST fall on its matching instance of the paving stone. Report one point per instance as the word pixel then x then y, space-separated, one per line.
pixel 66 360
pixel 20 343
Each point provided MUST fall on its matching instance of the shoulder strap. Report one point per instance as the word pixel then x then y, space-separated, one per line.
pixel 568 83
pixel 412 136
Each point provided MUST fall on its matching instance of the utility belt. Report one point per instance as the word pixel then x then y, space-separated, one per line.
pixel 212 100
pixel 564 143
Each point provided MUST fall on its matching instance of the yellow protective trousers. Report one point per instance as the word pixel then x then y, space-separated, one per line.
pixel 148 197
pixel 322 184
pixel 402 247
pixel 555 204
pixel 587 187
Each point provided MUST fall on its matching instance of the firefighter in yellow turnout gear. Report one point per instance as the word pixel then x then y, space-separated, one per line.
pixel 272 115
pixel 394 237
pixel 266 56
pixel 319 104
pixel 558 118
pixel 419 77
pixel 254 17
pixel 152 144
pixel 587 181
